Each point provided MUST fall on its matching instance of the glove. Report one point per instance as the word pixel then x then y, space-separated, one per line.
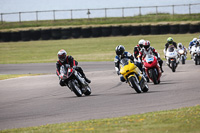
pixel 60 77
pixel 74 67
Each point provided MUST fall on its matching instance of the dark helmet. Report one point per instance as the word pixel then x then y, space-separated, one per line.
pixel 119 50
pixel 146 44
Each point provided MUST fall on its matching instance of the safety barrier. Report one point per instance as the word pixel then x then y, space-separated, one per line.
pixel 102 31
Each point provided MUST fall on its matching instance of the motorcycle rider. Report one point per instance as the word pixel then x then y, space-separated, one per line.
pixel 193 42
pixel 137 48
pixel 170 41
pixel 147 49
pixel 181 46
pixel 64 59
pixel 120 54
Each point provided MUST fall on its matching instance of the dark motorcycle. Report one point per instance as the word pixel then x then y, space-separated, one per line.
pixel 74 80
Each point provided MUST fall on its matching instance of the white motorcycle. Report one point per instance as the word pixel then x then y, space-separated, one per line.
pixel 195 54
pixel 172 58
pixel 182 55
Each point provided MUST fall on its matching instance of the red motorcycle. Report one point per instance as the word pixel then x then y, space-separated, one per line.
pixel 152 68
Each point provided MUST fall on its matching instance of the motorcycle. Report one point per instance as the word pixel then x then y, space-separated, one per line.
pixel 152 68
pixel 195 54
pixel 133 75
pixel 172 58
pixel 182 55
pixel 74 80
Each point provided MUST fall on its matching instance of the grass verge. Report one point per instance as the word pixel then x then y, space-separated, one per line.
pixel 176 121
pixel 9 76
pixel 83 49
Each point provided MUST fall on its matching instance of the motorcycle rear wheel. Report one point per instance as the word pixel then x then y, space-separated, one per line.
pixel 135 84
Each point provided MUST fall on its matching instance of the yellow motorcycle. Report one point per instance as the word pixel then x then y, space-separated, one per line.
pixel 133 75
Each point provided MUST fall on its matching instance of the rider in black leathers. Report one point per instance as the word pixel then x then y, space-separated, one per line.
pixel 64 59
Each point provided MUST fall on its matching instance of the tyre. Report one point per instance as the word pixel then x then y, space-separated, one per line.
pixel 154 76
pixel 134 84
pixel 196 61
pixel 88 91
pixel 145 86
pixel 75 87
pixel 173 66
pixel 183 60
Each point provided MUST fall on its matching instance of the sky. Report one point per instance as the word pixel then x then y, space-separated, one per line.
pixel 8 6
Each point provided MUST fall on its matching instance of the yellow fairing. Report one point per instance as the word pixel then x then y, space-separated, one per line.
pixel 128 69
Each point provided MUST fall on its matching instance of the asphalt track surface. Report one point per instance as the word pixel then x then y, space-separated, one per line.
pixel 39 100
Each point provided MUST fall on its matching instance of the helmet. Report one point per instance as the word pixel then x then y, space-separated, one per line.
pixel 198 42
pixel 170 40
pixel 194 40
pixel 146 44
pixel 141 43
pixel 119 50
pixel 180 45
pixel 62 55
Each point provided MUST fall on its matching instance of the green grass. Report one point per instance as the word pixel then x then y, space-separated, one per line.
pixel 150 18
pixel 181 120
pixel 9 76
pixel 83 49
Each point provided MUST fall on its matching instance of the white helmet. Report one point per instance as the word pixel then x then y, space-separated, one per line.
pixel 62 55
pixel 194 40
pixel 141 43
pixel 180 45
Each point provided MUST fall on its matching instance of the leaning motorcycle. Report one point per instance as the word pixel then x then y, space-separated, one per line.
pixel 172 58
pixel 133 76
pixel 152 68
pixel 182 55
pixel 74 80
pixel 195 53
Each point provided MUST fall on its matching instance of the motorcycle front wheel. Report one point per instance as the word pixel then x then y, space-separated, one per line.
pixel 88 91
pixel 173 66
pixel 134 84
pixel 74 86
pixel 183 60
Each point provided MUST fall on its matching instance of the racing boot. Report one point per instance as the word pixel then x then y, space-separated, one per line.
pixel 87 80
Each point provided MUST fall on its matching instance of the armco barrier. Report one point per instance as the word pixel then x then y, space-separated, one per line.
pixel 56 33
pixel 136 30
pixel 35 34
pixel 86 32
pixel 76 32
pixel 116 31
pixel 105 31
pixel 66 33
pixel 15 36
